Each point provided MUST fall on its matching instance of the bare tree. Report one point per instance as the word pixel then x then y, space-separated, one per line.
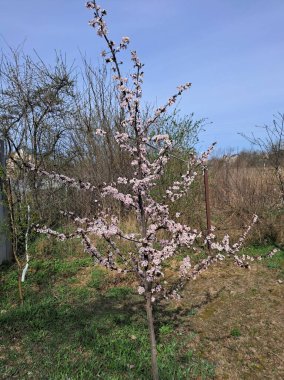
pixel 35 108
pixel 272 146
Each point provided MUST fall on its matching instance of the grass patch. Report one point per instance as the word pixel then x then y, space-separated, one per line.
pixel 275 262
pixel 89 340
pixel 166 330
pixel 86 328
pixel 83 327
pixel 98 278
pixel 235 332
pixel 119 292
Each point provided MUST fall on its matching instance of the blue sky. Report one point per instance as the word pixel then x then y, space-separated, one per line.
pixel 231 50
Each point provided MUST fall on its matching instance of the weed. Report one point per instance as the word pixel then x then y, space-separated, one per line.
pixel 235 332
pixel 165 330
pixel 192 311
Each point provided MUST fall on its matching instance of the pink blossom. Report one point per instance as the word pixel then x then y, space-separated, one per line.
pixel 125 40
pixel 122 180
pixel 185 266
pixel 141 289
pixel 100 132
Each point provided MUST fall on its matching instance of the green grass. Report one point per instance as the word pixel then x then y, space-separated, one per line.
pixel 235 332
pixel 98 279
pixel 72 329
pixel 275 263
pixel 256 250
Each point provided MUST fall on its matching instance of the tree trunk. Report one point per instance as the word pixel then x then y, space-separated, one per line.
pixel 150 319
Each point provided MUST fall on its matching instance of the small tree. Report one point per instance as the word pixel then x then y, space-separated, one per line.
pixel 157 236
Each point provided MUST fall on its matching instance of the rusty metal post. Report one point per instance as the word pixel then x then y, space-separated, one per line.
pixel 207 201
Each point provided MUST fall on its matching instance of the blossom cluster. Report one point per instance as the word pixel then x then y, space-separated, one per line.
pixel 61 178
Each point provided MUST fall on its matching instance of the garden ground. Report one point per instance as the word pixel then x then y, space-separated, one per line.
pixel 78 322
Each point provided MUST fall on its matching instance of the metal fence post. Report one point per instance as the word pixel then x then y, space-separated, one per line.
pixel 5 243
pixel 207 202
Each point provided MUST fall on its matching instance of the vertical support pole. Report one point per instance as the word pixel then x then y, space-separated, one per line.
pixel 5 243
pixel 207 202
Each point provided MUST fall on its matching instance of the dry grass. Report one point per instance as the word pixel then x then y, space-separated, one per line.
pixel 237 320
pixel 237 191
